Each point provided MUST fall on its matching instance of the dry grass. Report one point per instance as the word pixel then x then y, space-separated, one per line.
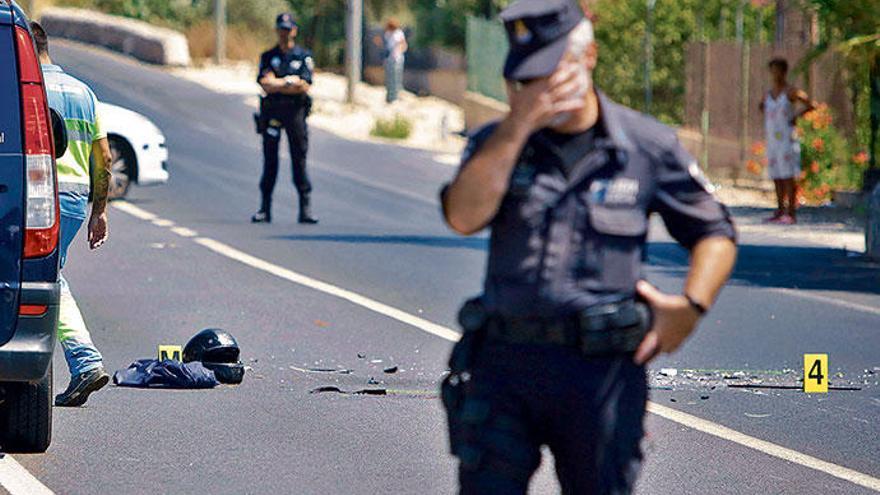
pixel 241 43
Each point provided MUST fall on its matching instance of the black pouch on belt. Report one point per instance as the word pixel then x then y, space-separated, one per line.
pixel 614 328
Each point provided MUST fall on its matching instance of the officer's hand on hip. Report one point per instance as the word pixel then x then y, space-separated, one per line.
pixel 674 320
pixel 533 105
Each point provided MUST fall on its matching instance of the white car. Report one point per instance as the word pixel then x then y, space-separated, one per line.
pixel 137 147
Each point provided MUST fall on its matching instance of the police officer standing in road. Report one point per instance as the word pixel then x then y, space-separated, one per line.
pixel 286 77
pixel 554 351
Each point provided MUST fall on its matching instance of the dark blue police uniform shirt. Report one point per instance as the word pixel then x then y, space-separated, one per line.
pixel 296 62
pixel 566 239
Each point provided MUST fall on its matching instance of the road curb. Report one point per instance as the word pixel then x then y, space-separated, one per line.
pixel 138 39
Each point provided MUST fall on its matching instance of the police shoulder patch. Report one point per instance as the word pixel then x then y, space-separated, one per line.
pixel 699 177
pixel 310 63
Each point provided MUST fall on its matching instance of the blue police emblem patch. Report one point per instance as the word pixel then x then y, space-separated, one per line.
pixel 275 62
pixel 621 191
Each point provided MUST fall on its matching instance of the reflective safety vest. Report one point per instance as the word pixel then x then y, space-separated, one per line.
pixel 78 105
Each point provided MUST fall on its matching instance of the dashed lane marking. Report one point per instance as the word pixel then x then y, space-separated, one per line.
pixel 829 300
pixel 184 232
pixel 133 210
pixel 18 481
pixel 674 415
pixel 161 222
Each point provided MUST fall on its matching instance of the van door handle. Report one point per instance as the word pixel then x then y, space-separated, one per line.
pixel 3 188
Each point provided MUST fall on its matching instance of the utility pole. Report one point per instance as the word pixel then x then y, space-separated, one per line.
pixel 649 54
pixel 780 23
pixel 219 31
pixel 353 46
pixel 704 93
pixel 745 84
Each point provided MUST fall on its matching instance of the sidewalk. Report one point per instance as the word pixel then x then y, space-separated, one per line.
pixel 434 120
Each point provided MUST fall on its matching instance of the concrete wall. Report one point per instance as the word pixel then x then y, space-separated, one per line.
pixel 442 83
pixel 135 38
pixel 479 110
pixel 431 71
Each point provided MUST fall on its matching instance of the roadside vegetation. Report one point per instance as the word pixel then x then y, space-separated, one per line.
pixel 848 27
pixel 397 127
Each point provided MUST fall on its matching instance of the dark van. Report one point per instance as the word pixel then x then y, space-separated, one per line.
pixel 29 223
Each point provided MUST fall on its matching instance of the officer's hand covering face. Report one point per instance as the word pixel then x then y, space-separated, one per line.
pixel 580 60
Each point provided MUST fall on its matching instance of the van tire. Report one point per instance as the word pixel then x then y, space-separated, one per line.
pixel 27 416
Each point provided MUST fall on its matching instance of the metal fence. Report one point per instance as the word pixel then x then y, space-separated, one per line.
pixel 486 50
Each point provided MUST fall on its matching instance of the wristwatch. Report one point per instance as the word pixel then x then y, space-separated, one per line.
pixel 699 308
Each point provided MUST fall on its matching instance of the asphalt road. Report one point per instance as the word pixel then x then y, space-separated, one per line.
pixel 381 236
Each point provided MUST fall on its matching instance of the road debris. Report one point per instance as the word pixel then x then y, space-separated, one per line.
pixel 787 387
pixel 390 370
pixel 332 389
pixel 338 371
pixel 751 381
pixel 758 415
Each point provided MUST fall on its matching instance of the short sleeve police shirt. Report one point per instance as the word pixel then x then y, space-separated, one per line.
pixel 568 238
pixel 295 62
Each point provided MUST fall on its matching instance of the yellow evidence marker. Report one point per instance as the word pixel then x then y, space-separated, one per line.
pixel 172 352
pixel 816 373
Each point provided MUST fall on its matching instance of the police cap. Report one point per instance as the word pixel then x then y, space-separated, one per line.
pixel 285 21
pixel 538 33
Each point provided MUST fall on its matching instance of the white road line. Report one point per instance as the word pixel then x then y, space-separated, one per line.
pixel 372 305
pixel 764 446
pixel 184 232
pixel 133 210
pixel 803 294
pixel 830 300
pixel 161 222
pixel 676 416
pixel 18 481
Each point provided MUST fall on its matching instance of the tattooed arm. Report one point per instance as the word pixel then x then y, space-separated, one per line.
pixel 101 185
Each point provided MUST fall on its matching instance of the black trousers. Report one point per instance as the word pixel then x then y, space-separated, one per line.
pixel 588 411
pixel 291 119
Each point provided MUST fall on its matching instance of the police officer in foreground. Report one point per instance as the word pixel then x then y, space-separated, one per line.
pixel 286 77
pixel 554 351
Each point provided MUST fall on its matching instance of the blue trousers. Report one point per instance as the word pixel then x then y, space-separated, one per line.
pixel 79 351
pixel 393 78
pixel 588 411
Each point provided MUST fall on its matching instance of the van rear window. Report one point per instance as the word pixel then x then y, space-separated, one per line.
pixel 10 121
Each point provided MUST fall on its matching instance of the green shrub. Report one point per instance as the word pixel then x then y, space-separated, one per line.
pixel 398 127
pixel 827 163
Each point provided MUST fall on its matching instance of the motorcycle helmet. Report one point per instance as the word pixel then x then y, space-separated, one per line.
pixel 218 351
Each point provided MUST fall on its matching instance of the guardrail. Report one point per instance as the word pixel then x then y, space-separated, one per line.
pixel 138 39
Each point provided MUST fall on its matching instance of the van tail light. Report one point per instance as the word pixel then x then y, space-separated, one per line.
pixel 32 309
pixel 42 226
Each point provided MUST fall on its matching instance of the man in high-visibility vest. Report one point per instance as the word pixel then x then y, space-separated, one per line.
pixel 77 104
